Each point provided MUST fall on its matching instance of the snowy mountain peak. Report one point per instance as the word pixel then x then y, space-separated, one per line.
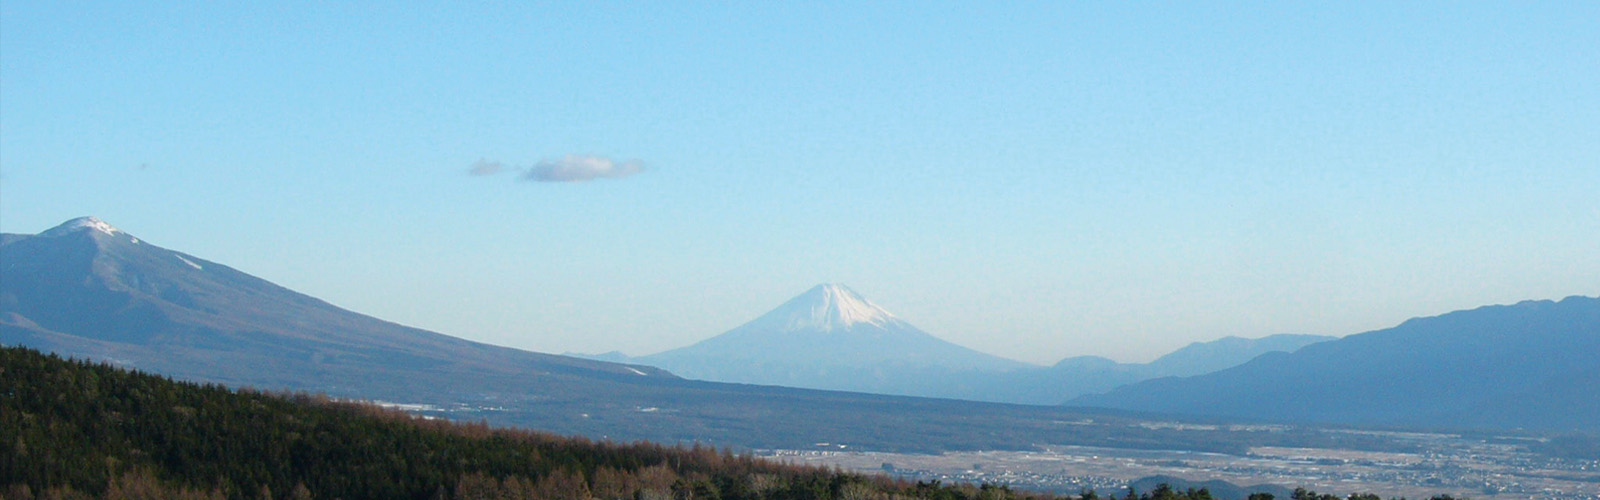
pixel 829 307
pixel 81 224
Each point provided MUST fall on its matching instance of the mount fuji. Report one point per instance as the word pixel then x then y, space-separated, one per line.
pixel 832 338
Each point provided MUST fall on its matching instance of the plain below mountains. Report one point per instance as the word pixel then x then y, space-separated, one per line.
pixel 1534 365
pixel 830 337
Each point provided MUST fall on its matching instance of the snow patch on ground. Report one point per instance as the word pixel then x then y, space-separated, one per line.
pixel 189 262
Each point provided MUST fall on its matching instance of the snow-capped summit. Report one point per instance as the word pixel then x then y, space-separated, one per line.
pixel 828 307
pixel 80 224
pixel 831 338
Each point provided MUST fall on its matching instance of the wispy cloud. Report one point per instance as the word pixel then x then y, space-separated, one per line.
pixel 485 166
pixel 578 168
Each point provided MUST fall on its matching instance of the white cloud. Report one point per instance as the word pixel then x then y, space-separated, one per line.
pixel 577 168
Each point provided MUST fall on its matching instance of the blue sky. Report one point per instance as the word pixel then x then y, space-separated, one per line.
pixel 1035 180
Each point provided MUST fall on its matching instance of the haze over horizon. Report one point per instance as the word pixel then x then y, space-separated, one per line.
pixel 1033 181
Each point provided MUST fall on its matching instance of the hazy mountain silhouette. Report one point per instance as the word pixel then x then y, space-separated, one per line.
pixel 1226 352
pixel 831 338
pixel 1535 364
pixel 1079 375
pixel 86 289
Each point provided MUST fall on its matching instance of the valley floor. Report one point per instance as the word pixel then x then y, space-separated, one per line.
pixel 1445 464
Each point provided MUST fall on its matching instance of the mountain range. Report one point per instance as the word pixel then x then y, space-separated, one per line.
pixel 1534 364
pixel 1080 375
pixel 830 337
pixel 86 289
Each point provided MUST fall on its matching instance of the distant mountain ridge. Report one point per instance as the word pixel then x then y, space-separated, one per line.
pixel 1226 352
pixel 1534 364
pixel 830 337
pixel 183 315
pixel 1079 375
pixel 89 290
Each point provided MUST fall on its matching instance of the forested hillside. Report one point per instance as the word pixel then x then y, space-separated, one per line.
pixel 76 430
pixel 72 429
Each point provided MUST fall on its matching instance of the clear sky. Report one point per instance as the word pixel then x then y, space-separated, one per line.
pixel 1034 180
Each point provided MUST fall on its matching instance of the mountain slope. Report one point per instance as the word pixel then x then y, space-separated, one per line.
pixel 88 290
pixel 1079 375
pixel 179 314
pixel 1529 365
pixel 831 338
pixel 1226 352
